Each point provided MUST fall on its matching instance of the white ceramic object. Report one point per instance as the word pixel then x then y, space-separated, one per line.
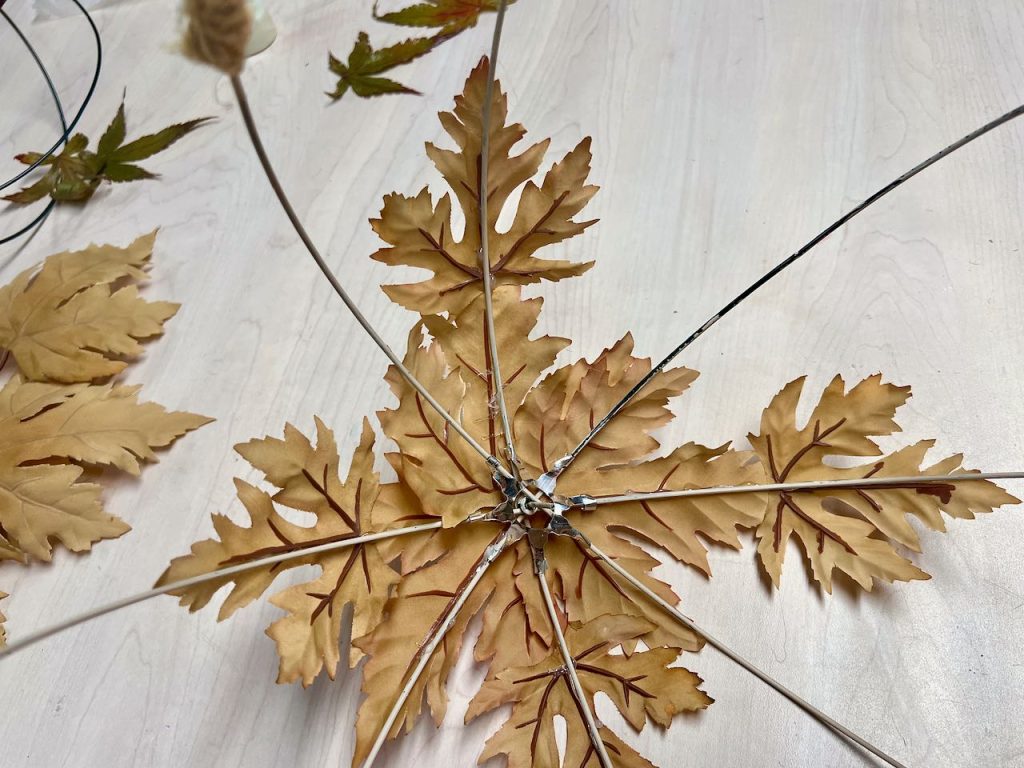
pixel 263 30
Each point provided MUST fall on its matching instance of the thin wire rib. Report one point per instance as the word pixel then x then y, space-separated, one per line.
pixel 432 641
pixel 41 216
pixel 74 621
pixel 39 219
pixel 570 667
pixel 81 110
pixel 547 481
pixel 300 230
pixel 485 257
pixel 810 485
pixel 805 705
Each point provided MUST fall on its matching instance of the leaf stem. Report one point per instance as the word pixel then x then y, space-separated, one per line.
pixel 805 705
pixel 220 573
pixel 300 230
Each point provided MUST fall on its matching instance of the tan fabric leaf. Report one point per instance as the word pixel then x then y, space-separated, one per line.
pixel 306 475
pixel 44 503
pixel 464 343
pixel 853 529
pixel 641 685
pixel 49 423
pixel 308 638
pixel 515 609
pixel 566 404
pixel 447 476
pixel 306 478
pixel 96 425
pixel 678 525
pixel 68 322
pixel 420 601
pixel 589 588
pixel 419 234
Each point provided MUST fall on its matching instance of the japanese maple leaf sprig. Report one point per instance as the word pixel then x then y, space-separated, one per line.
pixel 75 173
pixel 363 72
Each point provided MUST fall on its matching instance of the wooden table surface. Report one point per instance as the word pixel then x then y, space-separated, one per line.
pixel 725 134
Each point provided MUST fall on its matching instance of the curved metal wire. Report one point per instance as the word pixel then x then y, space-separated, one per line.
pixel 547 481
pixel 85 102
pixel 764 677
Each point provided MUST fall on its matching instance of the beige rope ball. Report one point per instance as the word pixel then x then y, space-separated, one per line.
pixel 217 32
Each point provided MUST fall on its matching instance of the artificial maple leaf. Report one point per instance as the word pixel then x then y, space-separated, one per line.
pixel 306 478
pixel 853 529
pixel 75 173
pixel 440 467
pixel 419 604
pixel 641 685
pixel 677 525
pixel 452 16
pixel 566 404
pixel 362 71
pixel 419 233
pixel 46 427
pixel 73 320
pixel 463 340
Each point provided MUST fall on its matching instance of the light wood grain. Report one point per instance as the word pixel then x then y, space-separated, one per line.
pixel 725 134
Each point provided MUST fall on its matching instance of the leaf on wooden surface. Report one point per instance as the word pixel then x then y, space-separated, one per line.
pixel 362 72
pixel 75 172
pixel 566 404
pixel 642 686
pixel 437 465
pixel 418 606
pixel 80 317
pixel 452 16
pixel 419 233
pixel 305 478
pixel 677 526
pixel 46 432
pixel 854 530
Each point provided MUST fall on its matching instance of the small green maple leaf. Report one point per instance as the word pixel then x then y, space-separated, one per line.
pixel 364 66
pixel 74 174
pixel 452 15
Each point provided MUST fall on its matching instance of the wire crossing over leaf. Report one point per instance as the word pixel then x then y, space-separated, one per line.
pixel 854 529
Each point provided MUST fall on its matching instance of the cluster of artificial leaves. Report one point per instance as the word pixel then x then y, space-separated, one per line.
pixel 65 324
pixel 75 173
pixel 363 72
pixel 402 589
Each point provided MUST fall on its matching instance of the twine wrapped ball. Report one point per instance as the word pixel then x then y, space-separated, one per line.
pixel 217 32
